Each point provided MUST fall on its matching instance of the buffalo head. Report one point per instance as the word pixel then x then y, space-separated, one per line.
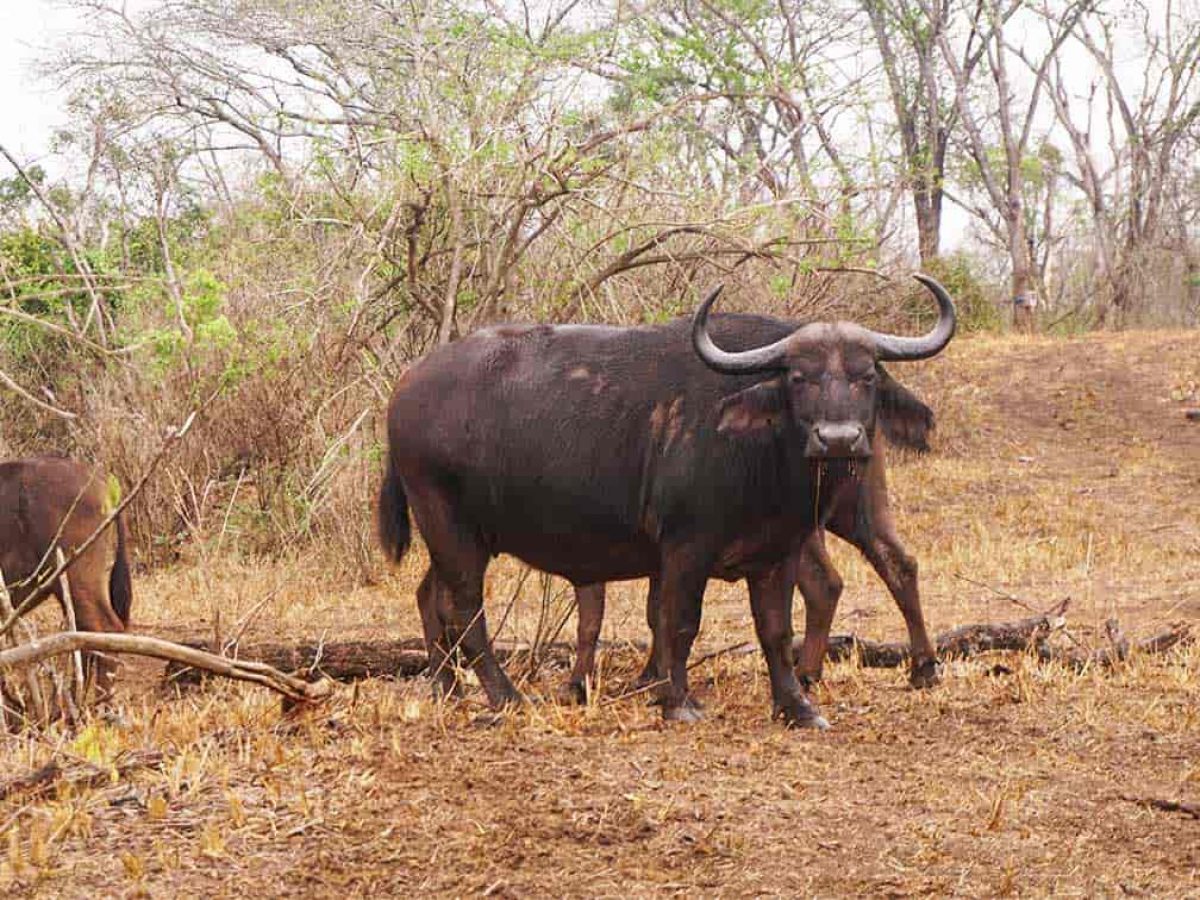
pixel 821 378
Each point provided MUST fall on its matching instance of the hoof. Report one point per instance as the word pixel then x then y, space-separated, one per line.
pixel 801 714
pixel 925 674
pixel 500 710
pixel 817 722
pixel 573 693
pixel 687 712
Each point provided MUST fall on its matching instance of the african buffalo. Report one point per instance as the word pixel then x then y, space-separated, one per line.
pixel 906 422
pixel 49 502
pixel 601 454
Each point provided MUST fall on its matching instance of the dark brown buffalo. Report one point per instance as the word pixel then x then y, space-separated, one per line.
pixel 906 422
pixel 53 501
pixel 603 454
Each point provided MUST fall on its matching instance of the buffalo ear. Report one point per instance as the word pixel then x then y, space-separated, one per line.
pixel 756 409
pixel 905 419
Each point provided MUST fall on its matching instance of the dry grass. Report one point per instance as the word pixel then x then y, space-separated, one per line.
pixel 1062 469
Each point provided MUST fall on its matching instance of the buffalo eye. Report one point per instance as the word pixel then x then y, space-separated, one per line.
pixel 800 378
pixel 868 378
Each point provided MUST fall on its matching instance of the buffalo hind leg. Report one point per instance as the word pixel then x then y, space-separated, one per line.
pixel 821 586
pixel 589 608
pixel 433 602
pixel 650 672
pixel 94 612
pixel 459 560
pixel 771 604
pixel 681 598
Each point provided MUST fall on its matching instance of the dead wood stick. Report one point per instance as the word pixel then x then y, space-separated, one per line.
pixel 68 604
pixel 1179 633
pixel 1188 809
pixel 239 670
pixel 1107 657
pixel 967 640
pixel 355 660
pixel 1116 639
pixel 43 779
pixel 1011 598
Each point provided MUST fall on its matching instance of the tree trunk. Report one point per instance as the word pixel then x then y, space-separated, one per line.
pixel 1024 297
pixel 927 202
pixel 1191 312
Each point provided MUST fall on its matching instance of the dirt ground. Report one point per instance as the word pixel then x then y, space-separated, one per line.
pixel 1061 469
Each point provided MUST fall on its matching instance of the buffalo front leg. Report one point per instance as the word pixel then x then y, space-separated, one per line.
pixel 682 578
pixel 899 572
pixel 868 525
pixel 771 603
pixel 589 607
pixel 821 586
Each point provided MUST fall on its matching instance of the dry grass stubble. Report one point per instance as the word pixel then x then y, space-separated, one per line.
pixel 1062 469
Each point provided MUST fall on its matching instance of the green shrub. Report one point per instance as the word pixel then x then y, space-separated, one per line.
pixel 977 310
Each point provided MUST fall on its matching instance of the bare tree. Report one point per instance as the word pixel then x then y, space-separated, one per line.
pixel 1002 174
pixel 1130 129
pixel 907 38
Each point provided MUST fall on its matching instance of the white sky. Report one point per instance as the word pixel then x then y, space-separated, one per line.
pixel 31 110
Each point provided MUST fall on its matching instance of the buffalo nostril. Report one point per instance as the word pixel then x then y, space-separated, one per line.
pixel 837 439
pixel 839 435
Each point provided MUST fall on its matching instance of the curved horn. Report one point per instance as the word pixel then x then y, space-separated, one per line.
pixel 768 357
pixel 893 348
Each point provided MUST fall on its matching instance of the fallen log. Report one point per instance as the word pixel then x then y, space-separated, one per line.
pixel 339 660
pixel 355 660
pixel 352 660
pixel 406 658
pixel 958 643
pixel 1119 651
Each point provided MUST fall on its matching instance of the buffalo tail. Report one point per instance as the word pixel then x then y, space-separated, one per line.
pixel 120 583
pixel 395 532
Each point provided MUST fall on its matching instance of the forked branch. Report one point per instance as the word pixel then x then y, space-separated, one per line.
pixel 238 669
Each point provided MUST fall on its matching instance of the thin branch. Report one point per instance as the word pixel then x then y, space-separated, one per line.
pixel 238 669
pixel 8 382
pixel 68 604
